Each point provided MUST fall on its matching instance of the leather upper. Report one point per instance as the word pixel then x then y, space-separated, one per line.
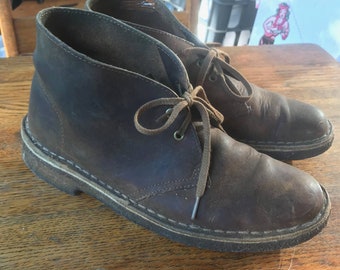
pixel 85 93
pixel 266 120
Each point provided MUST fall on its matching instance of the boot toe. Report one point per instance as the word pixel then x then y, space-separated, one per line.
pixel 266 195
pixel 308 123
pixel 298 130
pixel 294 199
pixel 306 133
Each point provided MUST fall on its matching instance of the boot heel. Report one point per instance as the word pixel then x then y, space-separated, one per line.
pixel 40 164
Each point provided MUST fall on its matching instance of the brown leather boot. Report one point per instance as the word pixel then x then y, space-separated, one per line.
pixel 273 124
pixel 112 114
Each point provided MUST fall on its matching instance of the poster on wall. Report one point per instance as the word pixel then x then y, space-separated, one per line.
pixel 298 21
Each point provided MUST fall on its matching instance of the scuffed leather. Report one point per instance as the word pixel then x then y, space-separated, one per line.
pixel 247 191
pixel 82 107
pixel 263 119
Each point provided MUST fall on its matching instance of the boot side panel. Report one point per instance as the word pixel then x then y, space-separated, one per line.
pixel 44 117
pixel 88 109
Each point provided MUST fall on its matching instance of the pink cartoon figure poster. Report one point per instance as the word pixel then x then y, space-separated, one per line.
pixel 276 25
pixel 296 21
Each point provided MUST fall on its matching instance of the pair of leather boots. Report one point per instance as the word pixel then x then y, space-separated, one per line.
pixel 130 107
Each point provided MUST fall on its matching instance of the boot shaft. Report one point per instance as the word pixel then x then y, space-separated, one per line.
pixel 152 14
pixel 87 88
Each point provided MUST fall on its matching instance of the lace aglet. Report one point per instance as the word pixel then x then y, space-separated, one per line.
pixel 194 211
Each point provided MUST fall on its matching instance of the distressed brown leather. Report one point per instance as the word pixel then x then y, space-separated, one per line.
pixel 80 128
pixel 273 124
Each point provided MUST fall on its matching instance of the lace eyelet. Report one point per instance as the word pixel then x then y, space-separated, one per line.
pixel 213 77
pixel 199 62
pixel 178 136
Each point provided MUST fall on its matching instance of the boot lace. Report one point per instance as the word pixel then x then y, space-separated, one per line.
pixel 213 58
pixel 191 98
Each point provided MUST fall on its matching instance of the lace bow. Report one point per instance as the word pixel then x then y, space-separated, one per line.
pixel 192 98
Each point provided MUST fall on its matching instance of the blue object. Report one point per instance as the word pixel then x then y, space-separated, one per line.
pixel 2 48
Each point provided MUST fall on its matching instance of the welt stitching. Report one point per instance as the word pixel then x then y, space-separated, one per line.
pixel 142 207
pixel 156 192
pixel 288 143
pixel 177 181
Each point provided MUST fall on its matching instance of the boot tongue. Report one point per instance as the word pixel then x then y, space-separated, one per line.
pixel 159 63
pixel 236 86
pixel 174 71
pixel 192 61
